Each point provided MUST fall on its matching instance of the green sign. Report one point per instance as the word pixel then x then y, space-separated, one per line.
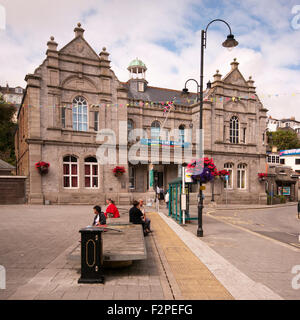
pixel 151 177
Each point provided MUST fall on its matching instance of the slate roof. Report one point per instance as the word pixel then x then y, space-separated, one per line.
pixel 5 166
pixel 156 94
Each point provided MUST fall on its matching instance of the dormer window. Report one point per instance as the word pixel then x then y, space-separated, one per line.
pixel 141 86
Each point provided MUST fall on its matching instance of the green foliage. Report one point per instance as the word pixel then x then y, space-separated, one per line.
pixel 284 139
pixel 7 131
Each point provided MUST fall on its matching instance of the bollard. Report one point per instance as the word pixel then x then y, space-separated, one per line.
pixel 298 209
pixel 91 255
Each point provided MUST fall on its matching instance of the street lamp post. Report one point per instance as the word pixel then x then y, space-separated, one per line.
pixel 230 42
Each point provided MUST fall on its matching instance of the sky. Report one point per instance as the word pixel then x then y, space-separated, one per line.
pixel 165 35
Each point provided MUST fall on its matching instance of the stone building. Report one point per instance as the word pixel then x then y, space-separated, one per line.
pixel 74 95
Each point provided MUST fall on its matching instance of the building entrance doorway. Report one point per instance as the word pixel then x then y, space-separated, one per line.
pixel 159 179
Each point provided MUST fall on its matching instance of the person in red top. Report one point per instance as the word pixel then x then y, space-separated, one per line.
pixel 111 210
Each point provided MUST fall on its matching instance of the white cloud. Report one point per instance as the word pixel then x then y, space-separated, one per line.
pixel 268 49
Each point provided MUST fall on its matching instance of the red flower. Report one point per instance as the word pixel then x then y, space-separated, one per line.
pixel 118 169
pixel 42 164
pixel 261 175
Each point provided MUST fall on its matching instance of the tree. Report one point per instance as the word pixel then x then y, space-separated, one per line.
pixel 7 131
pixel 284 139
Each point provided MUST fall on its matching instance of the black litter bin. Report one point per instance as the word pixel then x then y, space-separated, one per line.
pixel 91 255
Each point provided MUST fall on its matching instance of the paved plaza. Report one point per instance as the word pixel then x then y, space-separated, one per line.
pixel 40 251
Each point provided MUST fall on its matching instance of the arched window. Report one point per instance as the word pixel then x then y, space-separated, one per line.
pixel 234 130
pixel 241 176
pixel 80 114
pixel 228 184
pixel 70 172
pixel 181 133
pixel 91 173
pixel 155 129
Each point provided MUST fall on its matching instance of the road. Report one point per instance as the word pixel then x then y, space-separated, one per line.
pixel 261 243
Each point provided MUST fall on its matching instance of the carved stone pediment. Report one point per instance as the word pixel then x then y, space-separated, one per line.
pixel 236 78
pixel 79 47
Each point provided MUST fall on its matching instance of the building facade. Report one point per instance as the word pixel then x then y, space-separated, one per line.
pixel 274 124
pixel 74 105
pixel 12 95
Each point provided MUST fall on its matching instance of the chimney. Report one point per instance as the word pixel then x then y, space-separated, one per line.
pixel 234 64
pixel 78 30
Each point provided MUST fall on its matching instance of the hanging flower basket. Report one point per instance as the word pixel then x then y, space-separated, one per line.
pixel 118 171
pixel 262 176
pixel 42 167
pixel 203 170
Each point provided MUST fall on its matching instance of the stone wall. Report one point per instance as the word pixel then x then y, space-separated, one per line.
pixel 12 189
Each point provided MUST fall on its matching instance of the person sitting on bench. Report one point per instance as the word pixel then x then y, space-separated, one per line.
pixel 147 220
pixel 136 216
pixel 111 211
pixel 99 219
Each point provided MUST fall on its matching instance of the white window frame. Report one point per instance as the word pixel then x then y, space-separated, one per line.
pixel 91 175
pixel 70 175
pixel 241 168
pixel 229 167
pixel 234 130
pixel 78 102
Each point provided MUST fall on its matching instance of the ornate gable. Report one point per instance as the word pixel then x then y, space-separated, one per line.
pixel 79 47
pixel 235 77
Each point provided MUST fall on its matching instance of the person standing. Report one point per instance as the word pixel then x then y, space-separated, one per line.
pixel 167 199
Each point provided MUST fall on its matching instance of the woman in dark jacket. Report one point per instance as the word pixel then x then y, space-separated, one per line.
pixel 136 216
pixel 100 219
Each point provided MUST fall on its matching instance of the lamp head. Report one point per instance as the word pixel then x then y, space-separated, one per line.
pixel 230 42
pixel 185 91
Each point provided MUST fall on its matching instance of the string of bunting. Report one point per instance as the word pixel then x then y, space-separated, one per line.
pixel 167 104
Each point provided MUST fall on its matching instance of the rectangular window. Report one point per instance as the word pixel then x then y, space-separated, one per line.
pixel 131 177
pixel 91 175
pixel 63 117
pixel 297 161
pixel 273 159
pixel 244 135
pixel 96 120
pixel 269 159
pixel 141 86
pixel 70 175
pixel 277 159
pixel 80 122
pixel 282 161
pixel 241 179
pixel 228 184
